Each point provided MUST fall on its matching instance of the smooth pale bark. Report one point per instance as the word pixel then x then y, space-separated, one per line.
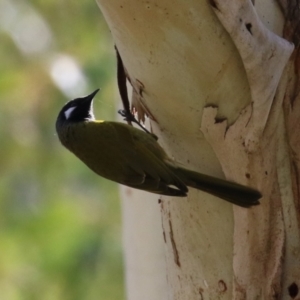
pixel 215 76
pixel 145 262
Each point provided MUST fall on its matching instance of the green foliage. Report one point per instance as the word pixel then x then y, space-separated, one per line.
pixel 59 223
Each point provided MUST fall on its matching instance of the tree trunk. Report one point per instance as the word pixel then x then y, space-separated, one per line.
pixel 222 90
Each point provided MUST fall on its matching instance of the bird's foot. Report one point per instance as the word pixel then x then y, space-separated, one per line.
pixel 129 117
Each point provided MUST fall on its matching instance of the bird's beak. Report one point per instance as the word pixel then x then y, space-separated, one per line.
pixel 89 98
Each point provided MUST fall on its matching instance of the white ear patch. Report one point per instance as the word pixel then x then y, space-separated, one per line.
pixel 69 111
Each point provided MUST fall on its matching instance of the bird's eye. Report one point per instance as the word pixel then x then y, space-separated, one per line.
pixel 68 112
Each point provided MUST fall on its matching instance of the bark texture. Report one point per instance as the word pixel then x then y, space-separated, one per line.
pixel 222 88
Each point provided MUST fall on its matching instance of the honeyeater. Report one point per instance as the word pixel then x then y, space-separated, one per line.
pixel 130 156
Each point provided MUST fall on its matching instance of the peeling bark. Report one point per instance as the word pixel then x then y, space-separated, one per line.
pixel 223 89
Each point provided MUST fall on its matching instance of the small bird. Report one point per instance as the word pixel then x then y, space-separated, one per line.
pixel 130 156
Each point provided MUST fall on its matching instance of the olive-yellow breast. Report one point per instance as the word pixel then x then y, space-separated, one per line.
pixel 132 157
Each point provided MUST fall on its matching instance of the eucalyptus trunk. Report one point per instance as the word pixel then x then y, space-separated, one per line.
pixel 219 81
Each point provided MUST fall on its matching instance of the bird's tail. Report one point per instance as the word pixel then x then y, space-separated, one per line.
pixel 230 191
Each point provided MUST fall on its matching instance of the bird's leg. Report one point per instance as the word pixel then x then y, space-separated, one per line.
pixel 129 117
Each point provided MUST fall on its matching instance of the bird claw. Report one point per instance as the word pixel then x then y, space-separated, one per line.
pixel 129 117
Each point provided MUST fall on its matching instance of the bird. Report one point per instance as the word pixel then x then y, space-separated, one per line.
pixel 132 157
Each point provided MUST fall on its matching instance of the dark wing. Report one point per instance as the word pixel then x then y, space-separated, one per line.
pixel 143 162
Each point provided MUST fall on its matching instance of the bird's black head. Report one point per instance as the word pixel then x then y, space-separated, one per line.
pixel 77 110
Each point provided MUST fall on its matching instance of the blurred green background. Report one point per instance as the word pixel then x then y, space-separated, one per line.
pixel 60 234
